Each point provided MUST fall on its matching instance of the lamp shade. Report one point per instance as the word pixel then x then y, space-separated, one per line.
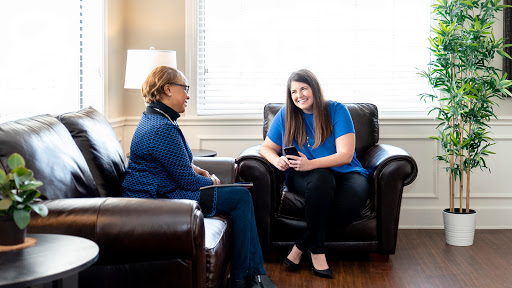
pixel 140 62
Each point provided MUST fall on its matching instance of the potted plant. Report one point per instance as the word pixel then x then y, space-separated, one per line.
pixel 18 197
pixel 465 89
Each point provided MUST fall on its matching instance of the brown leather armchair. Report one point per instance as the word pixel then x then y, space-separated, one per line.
pixel 280 213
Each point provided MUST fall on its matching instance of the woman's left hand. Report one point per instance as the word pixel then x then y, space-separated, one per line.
pixel 204 173
pixel 301 163
pixel 200 171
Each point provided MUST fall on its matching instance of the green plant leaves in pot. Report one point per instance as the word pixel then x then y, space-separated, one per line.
pixel 19 194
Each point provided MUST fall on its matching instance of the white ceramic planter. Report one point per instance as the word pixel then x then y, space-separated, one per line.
pixel 459 228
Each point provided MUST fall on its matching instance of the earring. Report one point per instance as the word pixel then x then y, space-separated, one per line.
pixel 169 94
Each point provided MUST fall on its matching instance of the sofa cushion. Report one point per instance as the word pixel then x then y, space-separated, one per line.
pixel 50 152
pixel 101 149
pixel 217 246
pixel 365 117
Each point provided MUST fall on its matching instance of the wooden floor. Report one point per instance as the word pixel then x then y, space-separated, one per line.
pixel 422 259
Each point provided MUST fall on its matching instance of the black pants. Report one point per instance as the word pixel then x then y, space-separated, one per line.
pixel 329 195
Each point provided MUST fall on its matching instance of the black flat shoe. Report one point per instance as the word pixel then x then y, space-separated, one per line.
pixel 290 266
pixel 326 273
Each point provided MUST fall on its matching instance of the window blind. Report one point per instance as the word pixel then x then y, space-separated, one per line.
pixel 361 51
pixel 52 57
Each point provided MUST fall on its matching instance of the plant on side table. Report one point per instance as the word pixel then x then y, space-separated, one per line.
pixel 466 86
pixel 18 197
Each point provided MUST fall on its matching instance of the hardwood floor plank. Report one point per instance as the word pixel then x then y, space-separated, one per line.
pixel 422 260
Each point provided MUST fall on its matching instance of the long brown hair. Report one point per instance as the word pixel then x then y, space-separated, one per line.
pixel 295 125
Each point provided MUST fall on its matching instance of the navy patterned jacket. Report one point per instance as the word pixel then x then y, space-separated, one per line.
pixel 160 160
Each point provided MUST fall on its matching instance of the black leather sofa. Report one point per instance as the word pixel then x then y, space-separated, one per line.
pixel 280 213
pixel 143 242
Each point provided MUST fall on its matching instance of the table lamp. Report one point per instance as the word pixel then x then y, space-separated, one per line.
pixel 140 62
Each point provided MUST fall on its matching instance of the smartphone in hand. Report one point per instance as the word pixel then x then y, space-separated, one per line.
pixel 291 151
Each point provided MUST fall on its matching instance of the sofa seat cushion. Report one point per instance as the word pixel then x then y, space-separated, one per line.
pixel 52 155
pixel 217 246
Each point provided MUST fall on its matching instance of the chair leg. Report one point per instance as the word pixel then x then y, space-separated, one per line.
pixel 379 257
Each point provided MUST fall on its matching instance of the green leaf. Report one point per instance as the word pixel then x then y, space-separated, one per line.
pixel 3 177
pixel 31 195
pixel 503 54
pixel 16 197
pixel 40 209
pixel 5 203
pixel 17 181
pixel 20 171
pixel 15 161
pixel 32 185
pixel 477 23
pixel 26 176
pixel 21 217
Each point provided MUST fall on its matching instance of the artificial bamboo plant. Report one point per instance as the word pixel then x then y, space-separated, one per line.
pixel 465 86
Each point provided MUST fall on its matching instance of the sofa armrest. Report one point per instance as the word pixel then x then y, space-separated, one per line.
pixel 267 180
pixel 391 168
pixel 129 229
pixel 223 167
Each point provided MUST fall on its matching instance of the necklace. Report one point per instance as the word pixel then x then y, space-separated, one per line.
pixel 309 144
pixel 163 113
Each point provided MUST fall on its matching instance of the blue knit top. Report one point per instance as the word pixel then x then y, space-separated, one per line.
pixel 341 125
pixel 160 164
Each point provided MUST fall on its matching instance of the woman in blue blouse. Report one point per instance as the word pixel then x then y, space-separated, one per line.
pixel 327 173
pixel 160 166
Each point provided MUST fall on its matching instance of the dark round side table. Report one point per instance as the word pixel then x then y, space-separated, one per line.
pixel 54 259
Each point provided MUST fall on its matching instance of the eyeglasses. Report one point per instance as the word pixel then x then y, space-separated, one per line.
pixel 182 85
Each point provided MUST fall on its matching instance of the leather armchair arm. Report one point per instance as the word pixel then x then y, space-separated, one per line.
pixel 223 167
pixel 391 168
pixel 267 180
pixel 128 229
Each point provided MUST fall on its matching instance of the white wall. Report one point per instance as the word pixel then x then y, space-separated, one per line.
pixel 161 23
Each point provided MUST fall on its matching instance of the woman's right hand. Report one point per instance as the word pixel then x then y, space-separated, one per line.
pixel 270 151
pixel 282 163
pixel 215 180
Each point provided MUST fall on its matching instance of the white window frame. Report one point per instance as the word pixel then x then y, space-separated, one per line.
pixel 190 114
pixel 191 74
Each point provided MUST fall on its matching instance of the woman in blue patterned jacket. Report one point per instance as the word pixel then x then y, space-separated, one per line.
pixel 161 166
